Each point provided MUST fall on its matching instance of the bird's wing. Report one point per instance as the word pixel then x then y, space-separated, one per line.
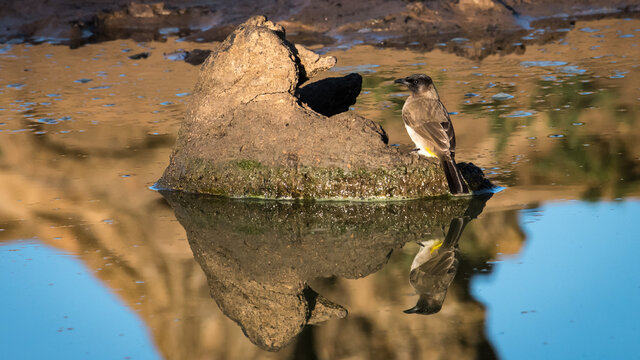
pixel 448 127
pixel 440 264
pixel 429 119
pixel 435 274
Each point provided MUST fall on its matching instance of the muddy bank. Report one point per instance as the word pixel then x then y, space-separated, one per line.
pixel 495 24
pixel 252 131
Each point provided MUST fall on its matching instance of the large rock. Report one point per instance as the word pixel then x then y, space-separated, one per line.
pixel 247 132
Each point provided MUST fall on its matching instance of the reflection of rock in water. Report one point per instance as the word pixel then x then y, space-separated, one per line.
pixel 259 255
pixel 436 263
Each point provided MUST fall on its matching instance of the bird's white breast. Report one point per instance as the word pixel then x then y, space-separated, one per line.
pixel 419 141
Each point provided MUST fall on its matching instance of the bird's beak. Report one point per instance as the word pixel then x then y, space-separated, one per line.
pixel 401 81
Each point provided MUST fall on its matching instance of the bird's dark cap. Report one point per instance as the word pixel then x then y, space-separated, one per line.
pixel 415 81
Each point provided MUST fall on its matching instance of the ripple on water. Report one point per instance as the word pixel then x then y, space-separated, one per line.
pixel 519 113
pixel 571 69
pixel 618 75
pixel 362 69
pixel 83 80
pixel 49 121
pixel 589 30
pixel 502 96
pixel 52 121
pixel 176 56
pixel 169 30
pixel 528 64
pixel 100 87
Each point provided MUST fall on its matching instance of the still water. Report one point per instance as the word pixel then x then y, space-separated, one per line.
pixel 95 265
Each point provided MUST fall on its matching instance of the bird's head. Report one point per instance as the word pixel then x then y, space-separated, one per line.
pixel 419 84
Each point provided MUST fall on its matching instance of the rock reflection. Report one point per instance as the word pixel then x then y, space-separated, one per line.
pixel 258 256
pixel 436 263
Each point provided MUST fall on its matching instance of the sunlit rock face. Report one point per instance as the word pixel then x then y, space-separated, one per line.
pixel 249 132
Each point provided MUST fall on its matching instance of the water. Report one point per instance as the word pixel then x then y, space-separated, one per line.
pixel 545 270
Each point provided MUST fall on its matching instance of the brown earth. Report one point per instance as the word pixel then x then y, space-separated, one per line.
pixel 326 22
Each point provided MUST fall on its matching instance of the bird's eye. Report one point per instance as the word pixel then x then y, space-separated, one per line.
pixel 414 81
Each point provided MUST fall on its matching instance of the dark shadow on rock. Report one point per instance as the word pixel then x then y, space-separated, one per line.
pixel 474 177
pixel 258 256
pixel 331 96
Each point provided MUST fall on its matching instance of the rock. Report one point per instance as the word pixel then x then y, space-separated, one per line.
pixel 258 256
pixel 140 10
pixel 142 55
pixel 246 134
pixel 311 63
pixel 193 57
pixel 197 56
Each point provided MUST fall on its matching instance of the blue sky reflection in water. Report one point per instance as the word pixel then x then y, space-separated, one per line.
pixel 573 291
pixel 56 302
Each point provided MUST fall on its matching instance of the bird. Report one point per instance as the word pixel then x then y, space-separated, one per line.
pixel 433 269
pixel 429 126
pixel 435 265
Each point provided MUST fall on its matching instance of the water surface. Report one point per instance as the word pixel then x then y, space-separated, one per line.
pixel 546 268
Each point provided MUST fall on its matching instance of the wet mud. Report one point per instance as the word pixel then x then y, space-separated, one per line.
pixel 478 28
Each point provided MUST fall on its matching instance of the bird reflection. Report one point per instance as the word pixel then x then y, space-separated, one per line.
pixel 436 263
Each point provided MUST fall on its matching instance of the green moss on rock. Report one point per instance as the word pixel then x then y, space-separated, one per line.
pixel 249 178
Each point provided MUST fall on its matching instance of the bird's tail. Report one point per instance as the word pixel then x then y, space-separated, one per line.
pixel 454 178
pixel 456 227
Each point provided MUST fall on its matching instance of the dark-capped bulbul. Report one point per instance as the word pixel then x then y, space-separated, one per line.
pixel 434 268
pixel 435 265
pixel 429 126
